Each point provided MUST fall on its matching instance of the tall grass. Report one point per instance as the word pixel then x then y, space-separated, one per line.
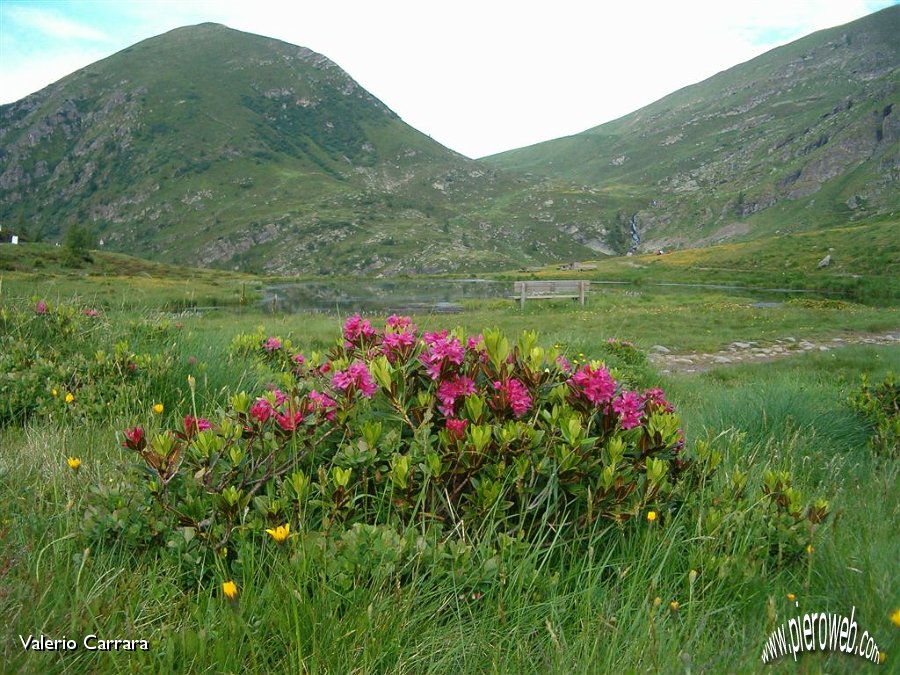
pixel 584 606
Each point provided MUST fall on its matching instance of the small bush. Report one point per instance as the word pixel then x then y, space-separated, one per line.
pixel 465 434
pixel 880 405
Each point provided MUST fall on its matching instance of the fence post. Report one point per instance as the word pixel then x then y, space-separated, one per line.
pixel 522 296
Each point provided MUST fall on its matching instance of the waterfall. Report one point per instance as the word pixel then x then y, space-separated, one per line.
pixel 635 236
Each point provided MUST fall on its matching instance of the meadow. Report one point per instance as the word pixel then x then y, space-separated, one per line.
pixel 697 587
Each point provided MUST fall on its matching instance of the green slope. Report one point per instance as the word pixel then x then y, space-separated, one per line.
pixel 801 137
pixel 215 147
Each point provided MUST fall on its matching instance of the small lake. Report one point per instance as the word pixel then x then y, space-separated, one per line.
pixel 445 296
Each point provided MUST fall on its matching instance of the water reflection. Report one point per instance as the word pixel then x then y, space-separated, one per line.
pixel 443 296
pixel 406 296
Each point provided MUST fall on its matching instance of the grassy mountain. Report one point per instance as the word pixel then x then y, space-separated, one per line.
pixel 207 145
pixel 218 148
pixel 802 137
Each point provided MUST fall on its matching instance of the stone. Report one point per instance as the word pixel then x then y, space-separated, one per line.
pixel 824 262
pixel 722 359
pixel 684 361
pixel 741 345
pixel 659 349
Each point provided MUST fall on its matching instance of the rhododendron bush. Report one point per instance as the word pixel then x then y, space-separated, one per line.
pixel 396 426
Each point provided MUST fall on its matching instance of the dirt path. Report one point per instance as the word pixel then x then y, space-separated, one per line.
pixel 755 352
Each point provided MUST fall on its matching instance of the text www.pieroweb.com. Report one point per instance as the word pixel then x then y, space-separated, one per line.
pixel 820 632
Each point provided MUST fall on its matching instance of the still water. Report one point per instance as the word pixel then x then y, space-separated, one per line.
pixel 438 296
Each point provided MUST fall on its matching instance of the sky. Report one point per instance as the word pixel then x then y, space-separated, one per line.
pixel 478 76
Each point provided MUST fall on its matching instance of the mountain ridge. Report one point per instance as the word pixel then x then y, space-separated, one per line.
pixel 211 146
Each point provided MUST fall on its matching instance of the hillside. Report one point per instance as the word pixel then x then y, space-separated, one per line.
pixel 802 137
pixel 207 145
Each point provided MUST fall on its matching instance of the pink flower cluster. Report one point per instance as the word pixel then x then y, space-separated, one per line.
pixel 441 349
pixel 355 328
pixel 450 390
pixel 288 418
pixel 134 439
pixel 595 384
pixel 323 404
pixel 516 395
pixel 40 307
pixel 630 408
pixel 272 344
pixel 655 401
pixel 356 377
pixel 399 338
pixel 192 424
pixel 261 410
pixel 457 428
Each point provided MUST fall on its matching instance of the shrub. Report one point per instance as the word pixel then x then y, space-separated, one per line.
pixel 64 362
pixel 880 405
pixel 468 435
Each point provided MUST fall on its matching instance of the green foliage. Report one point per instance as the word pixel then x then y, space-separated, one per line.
pixel 478 434
pixel 77 243
pixel 65 363
pixel 880 405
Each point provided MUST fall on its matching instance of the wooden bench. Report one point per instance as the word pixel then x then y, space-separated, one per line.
pixel 545 290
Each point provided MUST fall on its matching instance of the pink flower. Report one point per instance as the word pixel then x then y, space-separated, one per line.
pixel 449 390
pixel 357 376
pixel 299 359
pixel 272 344
pixel 597 386
pixel 563 364
pixel 401 323
pixel 516 395
pixel 280 396
pixel 134 438
pixel 356 327
pixel 194 424
pixel 397 345
pixel 91 312
pixel 41 307
pixel 289 421
pixel 441 349
pixel 457 428
pixel 630 407
pixel 261 410
pixel 324 404
pixel 655 401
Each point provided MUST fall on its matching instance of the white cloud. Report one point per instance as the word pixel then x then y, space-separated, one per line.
pixel 51 24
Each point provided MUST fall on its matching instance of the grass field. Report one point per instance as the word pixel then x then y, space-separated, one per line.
pixel 586 604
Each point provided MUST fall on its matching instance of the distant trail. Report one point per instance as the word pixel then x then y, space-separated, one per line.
pixel 754 352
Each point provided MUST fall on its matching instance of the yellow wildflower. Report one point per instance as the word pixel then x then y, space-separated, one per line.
pixel 674 605
pixel 158 408
pixel 54 392
pixel 882 657
pixel 74 463
pixel 657 601
pixel 895 617
pixel 280 533
pixel 791 597
pixel 810 549
pixel 651 516
pixel 230 589
pixel 70 397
